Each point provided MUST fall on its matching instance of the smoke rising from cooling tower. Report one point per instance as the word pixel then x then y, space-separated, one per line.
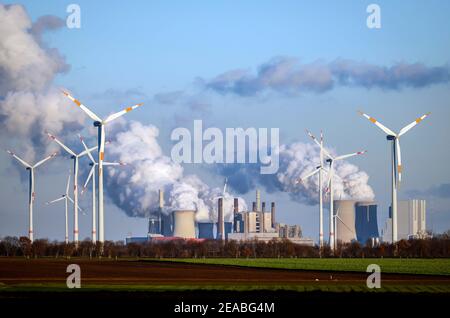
pixel 296 160
pixel 135 188
pixel 29 104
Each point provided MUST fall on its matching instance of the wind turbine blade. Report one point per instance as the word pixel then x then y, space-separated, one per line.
pixel 378 124
pixel 399 160
pixel 114 163
pixel 87 150
pixel 56 200
pixel 301 179
pixel 225 187
pixel 71 200
pixel 414 123
pixel 19 159
pixel 350 155
pixel 68 185
pixel 88 178
pixel 330 176
pixel 102 145
pixel 319 144
pixel 84 108
pixel 45 159
pixel 121 113
pixel 59 142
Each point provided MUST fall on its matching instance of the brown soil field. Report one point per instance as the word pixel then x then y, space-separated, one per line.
pixel 22 271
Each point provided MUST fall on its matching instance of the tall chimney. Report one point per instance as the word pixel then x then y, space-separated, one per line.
pixel 161 198
pixel 161 206
pixel 220 225
pixel 254 206
pixel 258 200
pixel 272 212
pixel 235 213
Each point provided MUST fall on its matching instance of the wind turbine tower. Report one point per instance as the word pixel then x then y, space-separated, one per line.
pixel 31 192
pixel 396 160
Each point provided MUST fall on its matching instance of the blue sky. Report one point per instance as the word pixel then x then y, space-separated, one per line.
pixel 155 47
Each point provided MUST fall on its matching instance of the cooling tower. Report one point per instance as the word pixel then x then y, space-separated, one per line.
pixel 166 224
pixel 184 223
pixel 205 230
pixel 344 211
pixel 366 221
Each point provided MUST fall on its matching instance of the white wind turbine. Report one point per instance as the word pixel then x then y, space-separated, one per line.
pixel 93 165
pixel 66 197
pixel 75 158
pixel 319 169
pixel 31 195
pixel 396 174
pixel 331 174
pixel 100 124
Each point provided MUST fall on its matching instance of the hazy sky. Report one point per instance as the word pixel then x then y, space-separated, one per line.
pixel 226 63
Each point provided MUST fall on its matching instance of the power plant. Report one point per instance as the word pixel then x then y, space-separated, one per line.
pixel 257 223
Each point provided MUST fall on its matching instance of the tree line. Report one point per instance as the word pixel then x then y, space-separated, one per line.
pixel 436 247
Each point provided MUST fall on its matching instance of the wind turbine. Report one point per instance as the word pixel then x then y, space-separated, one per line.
pixel 331 174
pixel 100 124
pixel 397 169
pixel 94 164
pixel 31 195
pixel 319 169
pixel 75 158
pixel 66 197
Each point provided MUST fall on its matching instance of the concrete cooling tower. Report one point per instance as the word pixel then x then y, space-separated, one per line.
pixel 344 211
pixel 366 221
pixel 184 223
pixel 206 230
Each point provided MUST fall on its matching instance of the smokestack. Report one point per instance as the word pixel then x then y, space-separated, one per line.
pixel 258 200
pixel 254 206
pixel 161 198
pixel 272 212
pixel 161 206
pixel 220 225
pixel 263 207
pixel 235 213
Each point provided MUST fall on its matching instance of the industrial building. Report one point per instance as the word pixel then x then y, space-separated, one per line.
pixel 258 223
pixel 355 221
pixel 411 221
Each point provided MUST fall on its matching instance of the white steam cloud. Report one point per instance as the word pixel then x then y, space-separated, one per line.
pixel 298 159
pixel 28 102
pixel 135 188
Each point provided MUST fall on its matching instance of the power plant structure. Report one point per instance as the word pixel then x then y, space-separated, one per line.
pixel 256 224
pixel 355 221
pixel 184 224
pixel 411 221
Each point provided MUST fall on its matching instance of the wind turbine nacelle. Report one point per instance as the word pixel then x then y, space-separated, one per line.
pixel 72 157
pixel 390 137
pixel 91 164
pixel 97 123
pixel 328 160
